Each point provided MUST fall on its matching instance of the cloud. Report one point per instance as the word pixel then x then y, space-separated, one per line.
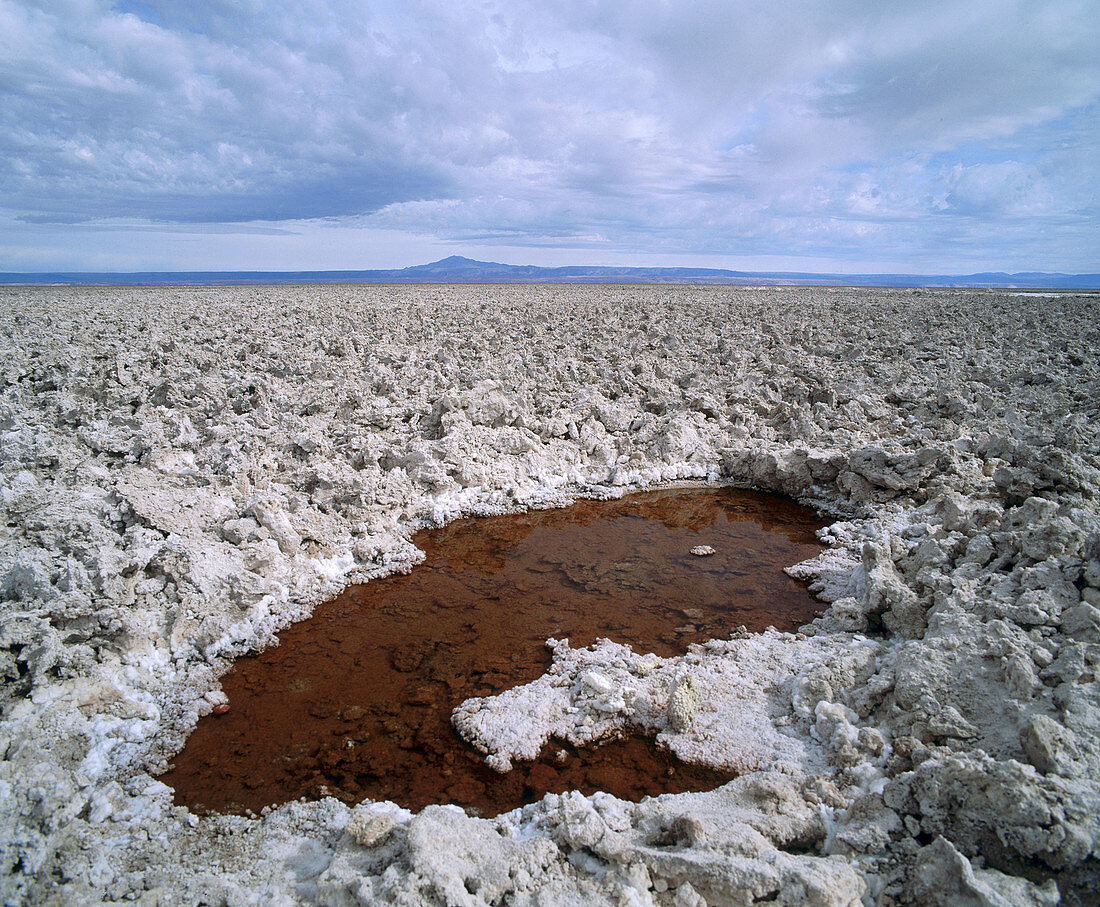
pixel 985 189
pixel 948 72
pixel 115 116
pixel 716 126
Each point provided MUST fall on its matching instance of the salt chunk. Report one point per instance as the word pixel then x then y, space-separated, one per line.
pixel 597 682
pixel 369 830
pixel 682 704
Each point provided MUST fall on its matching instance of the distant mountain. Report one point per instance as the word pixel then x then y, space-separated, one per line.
pixel 455 264
pixel 456 269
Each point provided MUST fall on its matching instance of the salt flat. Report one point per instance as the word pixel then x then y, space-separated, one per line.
pixel 186 471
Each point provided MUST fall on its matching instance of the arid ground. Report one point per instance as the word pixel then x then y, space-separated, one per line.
pixel 187 471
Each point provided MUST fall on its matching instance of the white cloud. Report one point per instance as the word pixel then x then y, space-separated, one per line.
pixel 719 127
pixel 1005 188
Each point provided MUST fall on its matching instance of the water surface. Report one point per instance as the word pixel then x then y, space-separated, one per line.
pixel 355 702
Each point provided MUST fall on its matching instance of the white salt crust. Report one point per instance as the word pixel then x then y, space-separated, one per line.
pixel 186 471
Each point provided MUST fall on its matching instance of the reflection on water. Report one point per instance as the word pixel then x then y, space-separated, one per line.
pixel 355 702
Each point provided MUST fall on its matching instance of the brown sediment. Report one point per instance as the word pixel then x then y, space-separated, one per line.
pixel 356 701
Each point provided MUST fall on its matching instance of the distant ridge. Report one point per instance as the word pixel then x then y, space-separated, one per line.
pixel 456 269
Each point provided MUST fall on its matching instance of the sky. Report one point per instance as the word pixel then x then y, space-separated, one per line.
pixel 858 136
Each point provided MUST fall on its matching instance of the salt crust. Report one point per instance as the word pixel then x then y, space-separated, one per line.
pixel 186 471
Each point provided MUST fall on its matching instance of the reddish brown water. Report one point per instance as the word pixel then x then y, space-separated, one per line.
pixel 356 701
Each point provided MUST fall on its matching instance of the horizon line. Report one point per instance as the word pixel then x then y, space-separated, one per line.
pixel 457 269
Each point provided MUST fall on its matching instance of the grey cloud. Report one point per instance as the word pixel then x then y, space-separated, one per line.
pixel 714 125
pixel 119 117
pixel 952 71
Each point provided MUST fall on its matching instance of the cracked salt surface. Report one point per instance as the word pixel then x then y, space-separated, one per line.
pixel 186 472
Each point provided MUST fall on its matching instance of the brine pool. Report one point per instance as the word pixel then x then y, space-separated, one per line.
pixel 355 702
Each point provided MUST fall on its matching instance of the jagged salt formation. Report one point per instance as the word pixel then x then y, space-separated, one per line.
pixel 186 471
